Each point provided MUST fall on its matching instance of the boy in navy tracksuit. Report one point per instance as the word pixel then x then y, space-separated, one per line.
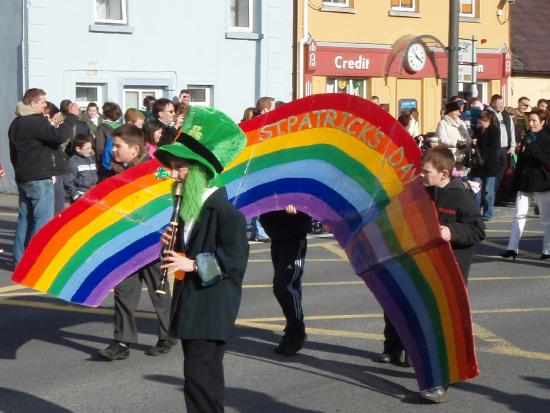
pixel 461 224
pixel 288 231
pixel 82 168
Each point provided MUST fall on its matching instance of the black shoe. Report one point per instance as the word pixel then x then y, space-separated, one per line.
pixel 290 345
pixel 162 347
pixel 435 395
pixel 394 358
pixel 116 351
pixel 544 256
pixel 510 253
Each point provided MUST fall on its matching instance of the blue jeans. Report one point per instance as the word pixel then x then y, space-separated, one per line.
pixel 258 231
pixel 35 209
pixel 486 196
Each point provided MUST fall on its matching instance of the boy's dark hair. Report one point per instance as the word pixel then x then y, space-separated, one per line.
pixel 81 139
pixel 160 105
pixel 496 97
pixel 111 111
pixel 92 105
pixel 148 102
pixel 185 91
pixel 541 101
pixel 132 135
pixel 441 158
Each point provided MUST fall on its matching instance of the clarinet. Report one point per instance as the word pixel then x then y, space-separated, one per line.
pixel 178 193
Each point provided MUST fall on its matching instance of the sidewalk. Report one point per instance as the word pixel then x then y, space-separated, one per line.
pixel 8 203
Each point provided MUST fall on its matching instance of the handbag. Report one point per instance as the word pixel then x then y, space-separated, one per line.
pixel 474 158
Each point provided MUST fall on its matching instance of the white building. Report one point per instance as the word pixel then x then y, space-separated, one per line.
pixel 227 52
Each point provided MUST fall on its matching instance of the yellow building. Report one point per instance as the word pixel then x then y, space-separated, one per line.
pixel 396 50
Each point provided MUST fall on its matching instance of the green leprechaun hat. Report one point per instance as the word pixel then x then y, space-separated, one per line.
pixel 208 137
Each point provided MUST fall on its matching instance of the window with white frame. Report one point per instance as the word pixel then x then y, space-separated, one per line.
pixel 336 3
pixel 89 92
pixel 468 8
pixel 201 95
pixel 404 5
pixel 242 15
pixel 356 87
pixel 111 11
pixel 134 95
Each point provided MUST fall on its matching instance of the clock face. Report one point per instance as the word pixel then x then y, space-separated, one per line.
pixel 416 57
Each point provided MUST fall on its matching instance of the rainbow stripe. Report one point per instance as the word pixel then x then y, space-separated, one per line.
pixel 83 253
pixel 338 158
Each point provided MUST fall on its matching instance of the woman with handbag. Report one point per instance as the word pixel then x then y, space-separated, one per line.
pixel 453 133
pixel 484 161
pixel 532 178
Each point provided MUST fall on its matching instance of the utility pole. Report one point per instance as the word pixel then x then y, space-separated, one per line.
pixel 452 76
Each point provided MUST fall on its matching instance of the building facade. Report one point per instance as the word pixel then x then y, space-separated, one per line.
pixel 530 51
pixel 396 50
pixel 227 52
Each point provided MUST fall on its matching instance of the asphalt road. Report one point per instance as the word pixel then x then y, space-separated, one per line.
pixel 47 347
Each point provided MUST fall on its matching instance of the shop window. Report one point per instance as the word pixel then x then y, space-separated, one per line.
pixel 404 5
pixel 89 92
pixel 134 95
pixel 336 3
pixel 468 8
pixel 201 95
pixel 111 12
pixel 356 87
pixel 242 15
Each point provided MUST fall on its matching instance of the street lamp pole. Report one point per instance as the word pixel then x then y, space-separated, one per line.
pixel 452 76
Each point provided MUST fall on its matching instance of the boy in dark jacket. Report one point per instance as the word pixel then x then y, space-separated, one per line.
pixel 82 168
pixel 288 231
pixel 460 224
pixel 128 151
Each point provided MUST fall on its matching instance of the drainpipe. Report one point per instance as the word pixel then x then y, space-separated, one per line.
pixel 303 40
pixel 24 47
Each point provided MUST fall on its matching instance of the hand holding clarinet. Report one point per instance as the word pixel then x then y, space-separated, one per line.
pixel 172 260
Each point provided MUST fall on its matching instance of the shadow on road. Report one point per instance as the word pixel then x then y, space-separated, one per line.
pixel 14 401
pixel 242 400
pixel 515 402
pixel 31 321
pixel 258 344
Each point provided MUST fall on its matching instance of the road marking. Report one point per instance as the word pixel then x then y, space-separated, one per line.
pixel 307 260
pixel 495 344
pixel 314 331
pixel 9 214
pixel 501 247
pixel 24 291
pixel 11 288
pixel 508 230
pixel 498 345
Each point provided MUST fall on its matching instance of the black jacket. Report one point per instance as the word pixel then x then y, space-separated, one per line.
pixel 34 147
pixel 457 210
pixel 280 226
pixel 532 173
pixel 81 177
pixel 209 313
pixel 488 143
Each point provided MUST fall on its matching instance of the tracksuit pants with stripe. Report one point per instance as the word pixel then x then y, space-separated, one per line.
pixel 288 257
